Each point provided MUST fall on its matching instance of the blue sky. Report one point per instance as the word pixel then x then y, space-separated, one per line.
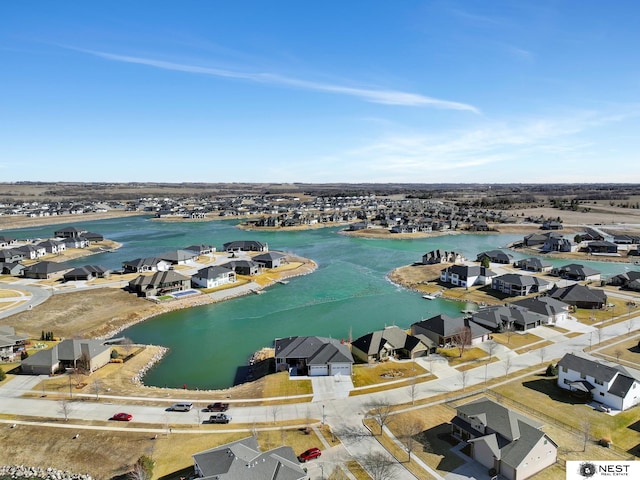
pixel 335 91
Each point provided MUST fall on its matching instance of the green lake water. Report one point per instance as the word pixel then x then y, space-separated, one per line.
pixel 348 293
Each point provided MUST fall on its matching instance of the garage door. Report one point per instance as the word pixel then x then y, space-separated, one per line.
pixel 318 370
pixel 341 369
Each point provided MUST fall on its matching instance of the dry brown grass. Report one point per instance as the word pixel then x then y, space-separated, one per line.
pixel 375 374
pixel 469 355
pixel 515 340
pixel 534 346
pixel 625 352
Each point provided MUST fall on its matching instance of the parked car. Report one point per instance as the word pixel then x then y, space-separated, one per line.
pixel 122 417
pixel 309 454
pixel 220 418
pixel 217 407
pixel 603 408
pixel 181 407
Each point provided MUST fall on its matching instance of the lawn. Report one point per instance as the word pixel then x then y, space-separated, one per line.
pixel 541 394
pixel 280 385
pixel 515 340
pixel 471 354
pixel 626 352
pixel 383 372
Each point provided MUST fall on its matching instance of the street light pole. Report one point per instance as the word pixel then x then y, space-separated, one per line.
pixel 323 416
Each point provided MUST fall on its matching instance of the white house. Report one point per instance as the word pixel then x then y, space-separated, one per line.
pixel 466 276
pixel 213 276
pixel 610 384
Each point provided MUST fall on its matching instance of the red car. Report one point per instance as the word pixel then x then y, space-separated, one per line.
pixel 218 407
pixel 122 417
pixel 309 454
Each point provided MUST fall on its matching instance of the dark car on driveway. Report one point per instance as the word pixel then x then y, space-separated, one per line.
pixel 309 454
pixel 217 407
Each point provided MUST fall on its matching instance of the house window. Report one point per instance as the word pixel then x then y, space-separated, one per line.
pixel 564 369
pixel 602 394
pixel 598 382
pixel 583 376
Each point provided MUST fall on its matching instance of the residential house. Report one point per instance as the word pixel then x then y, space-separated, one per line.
pixel 246 246
pixel 87 272
pixel 495 256
pixel 551 225
pixel 53 246
pixel 602 247
pixel 313 356
pixel 579 296
pixel 12 255
pixel 559 244
pixel 534 264
pixel 243 460
pixel 68 354
pixel 441 256
pixel 516 285
pixel 11 268
pixel 445 330
pixel 243 267
pixel 608 383
pixel 69 232
pixel 160 283
pixel 270 259
pixel 201 249
pixel 554 310
pixel 501 439
pixel 213 276
pixel 76 242
pixel 577 272
pixel 45 270
pixel 507 317
pixel 179 257
pixel 7 241
pixel 148 264
pixel 11 344
pixel 534 239
pixel 625 279
pixel 390 342
pixel 32 252
pixel 466 275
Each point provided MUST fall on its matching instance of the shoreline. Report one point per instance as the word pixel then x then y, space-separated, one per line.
pixel 20 222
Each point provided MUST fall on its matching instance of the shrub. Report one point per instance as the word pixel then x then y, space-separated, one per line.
pixel 114 353
pixel 24 354
pixel 2 375
pixel 552 370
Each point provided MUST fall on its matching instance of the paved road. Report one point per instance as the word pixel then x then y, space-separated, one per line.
pixel 37 295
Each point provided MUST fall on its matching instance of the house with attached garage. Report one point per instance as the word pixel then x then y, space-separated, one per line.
pixel 554 310
pixel 577 272
pixel 390 342
pixel 213 276
pixel 559 244
pixel 501 317
pixel 245 246
pixel 313 356
pixel 243 459
pixel 441 256
pixel 53 246
pixel 516 285
pixel 243 267
pixel 70 353
pixel 201 249
pixel 32 252
pixel 7 241
pixel 148 264
pixel 579 296
pixel 45 270
pixel 87 272
pixel 160 283
pixel 70 232
pixel 610 384
pixel 466 275
pixel 495 256
pixel 270 259
pixel 534 264
pixel 445 330
pixel 11 255
pixel 179 257
pixel 502 439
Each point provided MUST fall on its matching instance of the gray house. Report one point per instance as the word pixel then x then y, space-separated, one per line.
pixel 512 444
pixel 313 356
pixel 516 285
pixel 243 459
pixel 500 317
pixel 270 259
pixel 390 342
pixel 160 283
pixel 67 354
pixel 443 329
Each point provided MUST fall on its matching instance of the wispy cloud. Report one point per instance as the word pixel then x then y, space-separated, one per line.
pixel 383 96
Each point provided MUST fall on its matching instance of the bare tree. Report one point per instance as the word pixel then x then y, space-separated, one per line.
pixel 379 466
pixel 138 473
pixel 97 386
pixel 629 325
pixel 275 410
pixel 507 365
pixel 127 344
pixel 492 345
pixel 618 354
pixel 508 332
pixel 464 374
pixel 600 334
pixel 542 351
pixel 413 390
pixel 407 431
pixel 585 426
pixel 462 338
pixel 380 411
pixel 65 409
pixel 198 414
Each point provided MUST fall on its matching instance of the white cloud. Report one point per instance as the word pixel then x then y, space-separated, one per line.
pixel 383 96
